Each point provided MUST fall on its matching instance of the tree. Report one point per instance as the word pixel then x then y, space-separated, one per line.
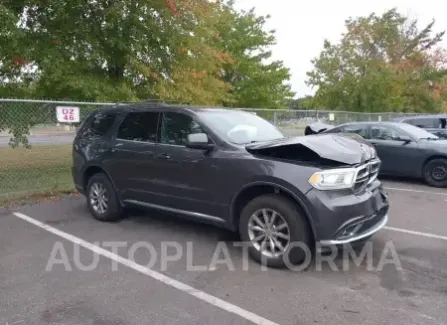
pixel 256 79
pixel 197 51
pixel 306 102
pixel 382 63
pixel 111 50
pixel 103 50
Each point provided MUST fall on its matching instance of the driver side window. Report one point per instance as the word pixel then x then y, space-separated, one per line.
pixel 385 133
pixel 175 128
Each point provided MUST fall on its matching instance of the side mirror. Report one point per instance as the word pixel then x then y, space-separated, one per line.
pixel 198 141
pixel 404 139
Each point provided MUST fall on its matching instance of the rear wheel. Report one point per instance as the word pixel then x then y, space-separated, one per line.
pixel 435 172
pixel 102 200
pixel 277 233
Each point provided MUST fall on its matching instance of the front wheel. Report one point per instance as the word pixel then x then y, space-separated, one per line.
pixel 276 231
pixel 435 172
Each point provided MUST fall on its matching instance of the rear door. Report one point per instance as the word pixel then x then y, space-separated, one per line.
pixel 91 138
pixel 130 159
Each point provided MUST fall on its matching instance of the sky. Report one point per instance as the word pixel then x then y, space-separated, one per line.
pixel 302 26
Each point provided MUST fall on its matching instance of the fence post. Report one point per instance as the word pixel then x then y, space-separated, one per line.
pixel 275 121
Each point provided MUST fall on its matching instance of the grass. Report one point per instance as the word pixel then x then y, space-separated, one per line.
pixel 36 172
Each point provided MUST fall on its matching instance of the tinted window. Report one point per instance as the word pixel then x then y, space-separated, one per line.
pixel 99 125
pixel 141 126
pixel 383 132
pixel 415 132
pixel 425 122
pixel 176 127
pixel 357 129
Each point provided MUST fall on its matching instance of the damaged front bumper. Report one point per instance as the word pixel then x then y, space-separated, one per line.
pixel 357 233
pixel 347 218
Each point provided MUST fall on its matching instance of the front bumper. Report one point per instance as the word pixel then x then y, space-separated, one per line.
pixel 358 236
pixel 345 217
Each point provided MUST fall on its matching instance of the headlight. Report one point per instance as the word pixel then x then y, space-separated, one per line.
pixel 333 179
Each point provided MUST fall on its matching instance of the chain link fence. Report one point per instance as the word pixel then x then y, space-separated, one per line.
pixel 43 167
pixel 293 122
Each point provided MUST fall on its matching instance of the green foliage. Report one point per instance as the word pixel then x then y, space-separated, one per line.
pixel 111 50
pixel 382 63
pixel 306 102
pixel 256 79
pixel 193 51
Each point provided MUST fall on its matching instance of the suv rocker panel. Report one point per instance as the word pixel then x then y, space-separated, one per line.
pixel 193 214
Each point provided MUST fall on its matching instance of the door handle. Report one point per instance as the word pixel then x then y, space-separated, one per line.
pixel 164 156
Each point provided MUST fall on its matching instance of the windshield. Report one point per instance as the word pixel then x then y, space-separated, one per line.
pixel 417 132
pixel 240 127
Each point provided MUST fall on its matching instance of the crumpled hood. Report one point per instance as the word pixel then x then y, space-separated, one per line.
pixel 349 150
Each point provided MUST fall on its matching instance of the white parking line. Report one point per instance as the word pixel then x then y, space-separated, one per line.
pixel 417 233
pixel 415 191
pixel 153 274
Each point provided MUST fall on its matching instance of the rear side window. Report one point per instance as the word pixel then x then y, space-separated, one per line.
pixel 383 132
pixel 139 126
pixel 425 122
pixel 357 129
pixel 98 125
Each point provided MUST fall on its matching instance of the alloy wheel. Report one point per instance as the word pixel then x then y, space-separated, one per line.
pixel 439 173
pixel 98 198
pixel 269 233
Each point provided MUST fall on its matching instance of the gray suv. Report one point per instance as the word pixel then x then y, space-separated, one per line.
pixel 232 169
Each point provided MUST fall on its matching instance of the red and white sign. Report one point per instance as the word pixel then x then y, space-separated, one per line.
pixel 66 114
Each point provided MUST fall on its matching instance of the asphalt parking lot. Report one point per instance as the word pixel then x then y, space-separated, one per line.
pixel 90 285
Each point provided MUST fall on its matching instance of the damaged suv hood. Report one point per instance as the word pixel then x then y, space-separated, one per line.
pixel 335 147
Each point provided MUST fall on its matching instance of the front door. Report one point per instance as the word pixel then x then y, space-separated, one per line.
pixel 398 157
pixel 185 177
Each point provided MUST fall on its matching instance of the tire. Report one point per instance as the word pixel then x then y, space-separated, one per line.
pixel 113 210
pixel 298 231
pixel 435 172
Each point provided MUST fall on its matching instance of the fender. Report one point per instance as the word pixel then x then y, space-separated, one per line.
pixel 85 169
pixel 296 196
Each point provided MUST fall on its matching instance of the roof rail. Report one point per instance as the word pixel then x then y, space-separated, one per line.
pixel 167 101
pixel 159 101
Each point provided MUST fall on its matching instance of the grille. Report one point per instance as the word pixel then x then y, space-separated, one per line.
pixel 366 174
